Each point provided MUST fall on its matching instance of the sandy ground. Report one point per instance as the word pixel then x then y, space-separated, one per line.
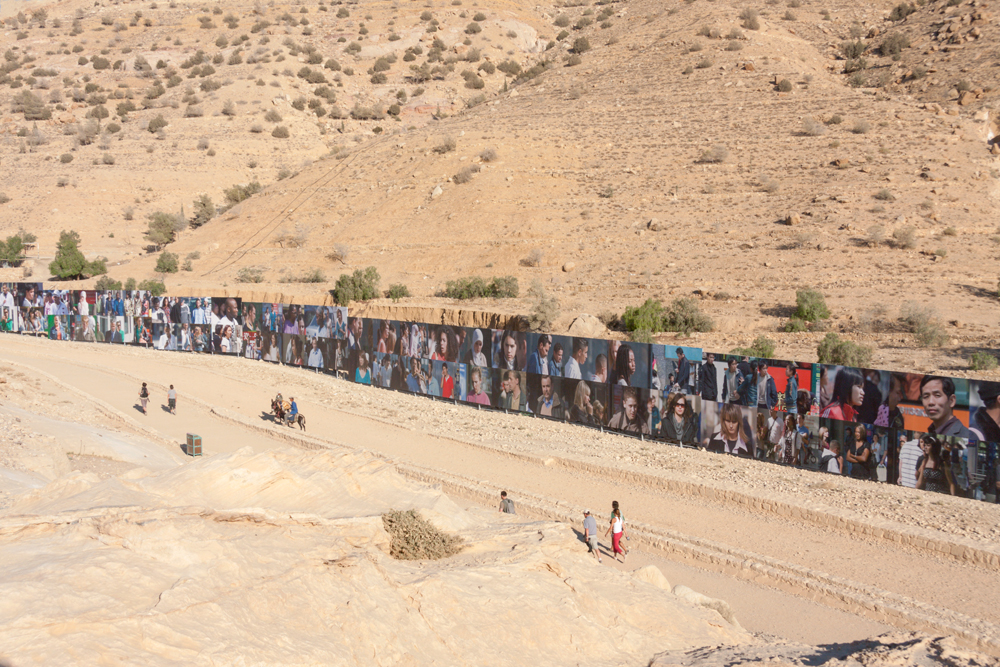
pixel 800 556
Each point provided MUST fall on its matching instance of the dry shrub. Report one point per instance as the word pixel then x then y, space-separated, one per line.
pixel 533 259
pixel 812 127
pixel 466 174
pixel 905 238
pixel 714 155
pixel 924 323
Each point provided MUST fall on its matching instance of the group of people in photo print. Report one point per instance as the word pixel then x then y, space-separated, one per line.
pixel 930 432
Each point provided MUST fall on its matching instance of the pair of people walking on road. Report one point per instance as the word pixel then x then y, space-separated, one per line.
pixel 171 399
pixel 616 526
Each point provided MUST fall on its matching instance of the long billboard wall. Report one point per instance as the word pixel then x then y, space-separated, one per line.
pixel 931 432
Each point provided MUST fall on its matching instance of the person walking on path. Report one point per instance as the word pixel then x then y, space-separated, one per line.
pixel 506 504
pixel 617 530
pixel 172 400
pixel 590 534
pixel 144 397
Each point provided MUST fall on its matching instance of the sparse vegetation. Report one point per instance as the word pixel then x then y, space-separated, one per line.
pixel 810 305
pixel 466 174
pixel 163 227
pixel 905 237
pixel 167 262
pixel 397 291
pixel 534 258
pixel 502 287
pixel 785 86
pixel 982 361
pixel 157 124
pixel 924 323
pixel 841 352
pixel 894 44
pixel 447 145
pixel 861 127
pixel 762 347
pixel 714 155
pixel 812 127
pixel 750 19
pixel 362 285
pixel 682 315
pixel 901 11
pixel 250 274
pixel 204 210
pixel 237 193
pixel 69 262
pixel 545 309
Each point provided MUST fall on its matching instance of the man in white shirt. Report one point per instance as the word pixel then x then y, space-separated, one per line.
pixel 909 454
pixel 581 347
pixel 198 314
pixel 7 298
pixel 315 355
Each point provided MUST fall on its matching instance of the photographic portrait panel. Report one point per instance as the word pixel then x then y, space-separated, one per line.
pixel 546 397
pixel 478 385
pixel 478 347
pixel 587 402
pixel 510 391
pixel 629 411
pixel 728 428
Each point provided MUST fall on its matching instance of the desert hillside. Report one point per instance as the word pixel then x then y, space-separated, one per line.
pixel 614 152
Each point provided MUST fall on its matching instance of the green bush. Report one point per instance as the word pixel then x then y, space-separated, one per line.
pixel 163 227
pixel 683 315
pixel 785 86
pixel 810 305
pixel 237 193
pixel 69 262
pixel 155 287
pixel 397 291
pixel 474 287
pixel 648 317
pixel 359 286
pixel 982 361
pixel 105 282
pixel 167 262
pixel 204 210
pixel 795 325
pixel 642 336
pixel 761 348
pixel 280 132
pixel 833 350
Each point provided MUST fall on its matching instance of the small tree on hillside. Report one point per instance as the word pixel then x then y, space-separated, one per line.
pixel 163 228
pixel 69 263
pixel 204 210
